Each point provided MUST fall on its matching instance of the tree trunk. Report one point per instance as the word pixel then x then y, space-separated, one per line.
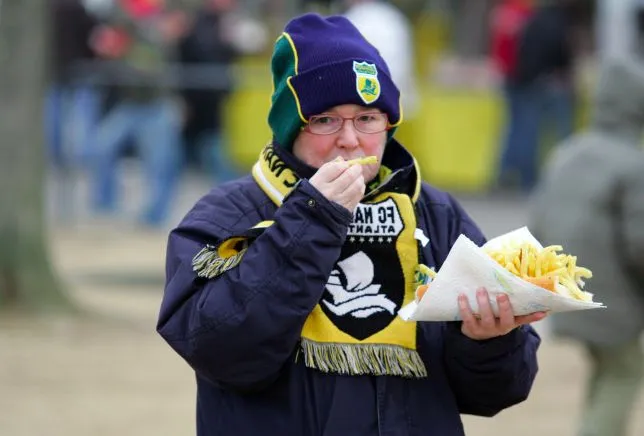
pixel 27 281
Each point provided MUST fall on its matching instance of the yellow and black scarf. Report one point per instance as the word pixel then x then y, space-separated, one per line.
pixel 354 329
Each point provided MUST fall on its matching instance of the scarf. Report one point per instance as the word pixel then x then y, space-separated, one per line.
pixel 354 329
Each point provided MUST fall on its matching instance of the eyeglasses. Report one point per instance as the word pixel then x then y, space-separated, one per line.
pixel 327 124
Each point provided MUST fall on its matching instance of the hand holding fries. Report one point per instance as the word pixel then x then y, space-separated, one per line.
pixel 340 183
pixel 533 279
pixel 485 325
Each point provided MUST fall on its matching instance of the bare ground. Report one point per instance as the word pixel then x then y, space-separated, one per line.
pixel 108 373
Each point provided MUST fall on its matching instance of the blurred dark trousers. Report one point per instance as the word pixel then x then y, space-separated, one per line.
pixel 155 128
pixel 71 116
pixel 532 110
pixel 213 156
pixel 615 378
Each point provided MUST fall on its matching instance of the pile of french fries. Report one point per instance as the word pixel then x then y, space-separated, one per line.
pixel 543 267
pixel 546 268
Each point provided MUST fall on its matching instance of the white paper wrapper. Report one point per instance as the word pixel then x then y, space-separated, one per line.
pixel 468 268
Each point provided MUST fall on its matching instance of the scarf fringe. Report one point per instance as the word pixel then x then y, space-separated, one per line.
pixel 361 359
pixel 208 264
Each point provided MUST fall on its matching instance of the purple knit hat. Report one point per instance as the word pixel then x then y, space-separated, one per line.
pixel 319 63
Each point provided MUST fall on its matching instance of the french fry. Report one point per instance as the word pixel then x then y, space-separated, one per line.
pixel 543 282
pixel 368 160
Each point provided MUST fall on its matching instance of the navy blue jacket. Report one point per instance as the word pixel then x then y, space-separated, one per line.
pixel 240 332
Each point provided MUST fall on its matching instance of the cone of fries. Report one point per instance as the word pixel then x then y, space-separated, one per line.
pixel 535 278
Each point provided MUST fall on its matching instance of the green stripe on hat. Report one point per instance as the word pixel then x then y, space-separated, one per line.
pixel 284 117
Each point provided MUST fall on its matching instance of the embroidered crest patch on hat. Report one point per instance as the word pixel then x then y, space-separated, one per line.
pixel 367 83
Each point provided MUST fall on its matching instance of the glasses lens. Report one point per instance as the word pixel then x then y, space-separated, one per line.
pixel 374 122
pixel 324 124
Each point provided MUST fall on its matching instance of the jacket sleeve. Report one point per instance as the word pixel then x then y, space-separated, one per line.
pixel 238 329
pixel 487 376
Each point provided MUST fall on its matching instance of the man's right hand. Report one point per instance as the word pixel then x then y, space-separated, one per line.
pixel 341 183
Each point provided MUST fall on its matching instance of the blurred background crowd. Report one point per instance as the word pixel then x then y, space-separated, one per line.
pixel 149 103
pixel 182 86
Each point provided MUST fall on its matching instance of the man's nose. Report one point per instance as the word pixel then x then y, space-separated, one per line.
pixel 348 135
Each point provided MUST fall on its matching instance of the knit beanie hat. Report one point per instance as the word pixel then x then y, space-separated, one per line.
pixel 319 63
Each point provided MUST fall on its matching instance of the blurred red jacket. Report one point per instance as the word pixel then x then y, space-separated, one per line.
pixel 507 21
pixel 142 8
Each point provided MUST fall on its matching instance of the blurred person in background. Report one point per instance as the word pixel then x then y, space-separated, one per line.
pixel 209 42
pixel 142 36
pixel 507 20
pixel 283 286
pixel 542 84
pixel 389 30
pixel 591 201
pixel 637 46
pixel 73 108
pixel 99 8
pixel 317 6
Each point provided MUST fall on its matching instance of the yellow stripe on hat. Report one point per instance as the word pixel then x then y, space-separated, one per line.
pixel 296 68
pixel 295 56
pixel 292 44
pixel 297 100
